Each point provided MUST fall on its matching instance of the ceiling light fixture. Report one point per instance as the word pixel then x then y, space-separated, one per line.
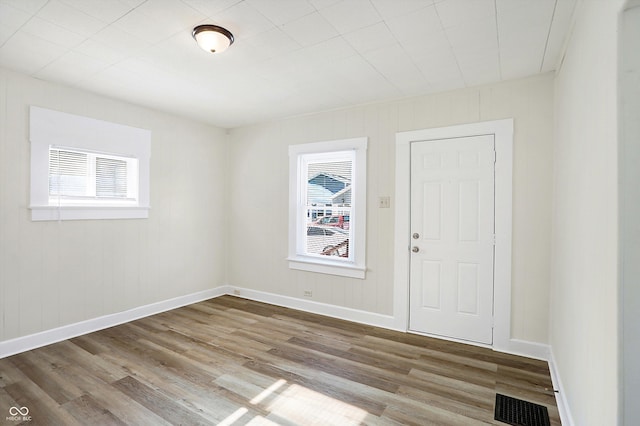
pixel 212 38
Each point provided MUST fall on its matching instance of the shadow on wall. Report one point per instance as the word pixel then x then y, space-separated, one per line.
pixel 629 207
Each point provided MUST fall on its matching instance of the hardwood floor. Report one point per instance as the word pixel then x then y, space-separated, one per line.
pixel 233 361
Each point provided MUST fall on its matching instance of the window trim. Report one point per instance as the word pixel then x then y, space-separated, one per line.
pixel 53 128
pixel 355 268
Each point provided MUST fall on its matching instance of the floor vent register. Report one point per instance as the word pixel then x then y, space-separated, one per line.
pixel 517 412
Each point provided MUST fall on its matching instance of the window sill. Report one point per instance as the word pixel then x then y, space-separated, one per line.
pixel 42 213
pixel 327 267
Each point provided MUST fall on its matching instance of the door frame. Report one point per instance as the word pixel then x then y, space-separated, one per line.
pixel 503 134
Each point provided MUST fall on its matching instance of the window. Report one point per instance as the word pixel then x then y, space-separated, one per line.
pixel 77 177
pixel 327 207
pixel 83 168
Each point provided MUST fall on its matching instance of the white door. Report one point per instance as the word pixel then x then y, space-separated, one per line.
pixel 452 238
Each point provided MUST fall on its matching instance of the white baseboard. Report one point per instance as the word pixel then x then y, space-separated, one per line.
pixel 561 400
pixel 32 341
pixel 340 312
pixel 512 346
pixel 524 348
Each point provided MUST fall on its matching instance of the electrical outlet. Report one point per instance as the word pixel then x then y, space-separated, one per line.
pixel 384 202
pixel 308 293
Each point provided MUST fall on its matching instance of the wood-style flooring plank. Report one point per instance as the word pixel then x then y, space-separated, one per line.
pixel 234 361
pixel 89 412
pixel 158 403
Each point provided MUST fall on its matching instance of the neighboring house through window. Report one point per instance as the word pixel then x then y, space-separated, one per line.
pixel 327 207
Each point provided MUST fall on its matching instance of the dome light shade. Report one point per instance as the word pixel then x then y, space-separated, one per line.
pixel 212 38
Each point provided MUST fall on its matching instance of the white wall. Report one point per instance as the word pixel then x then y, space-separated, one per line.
pixel 57 273
pixel 584 312
pixel 259 176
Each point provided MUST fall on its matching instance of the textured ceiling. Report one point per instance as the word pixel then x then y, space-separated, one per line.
pixel 289 57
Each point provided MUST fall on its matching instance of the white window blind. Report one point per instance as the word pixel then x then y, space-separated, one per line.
pixel 111 177
pixel 75 176
pixel 67 173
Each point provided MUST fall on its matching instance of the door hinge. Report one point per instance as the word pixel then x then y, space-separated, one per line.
pixel 495 157
pixel 493 239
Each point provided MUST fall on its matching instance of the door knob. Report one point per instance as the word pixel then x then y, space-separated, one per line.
pixel 415 249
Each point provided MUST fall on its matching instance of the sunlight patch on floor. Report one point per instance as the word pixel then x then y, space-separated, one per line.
pixel 231 419
pixel 268 391
pixel 294 404
pixel 262 421
pixel 300 405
